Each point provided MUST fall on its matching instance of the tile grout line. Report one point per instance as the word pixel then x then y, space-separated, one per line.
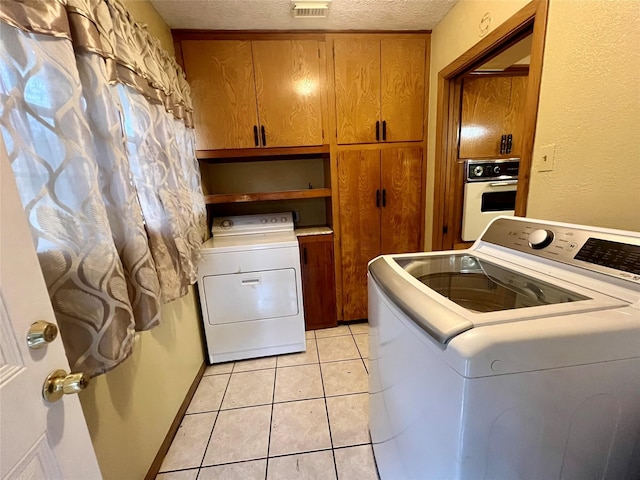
pixel 366 367
pixel 215 421
pixel 281 402
pixel 273 398
pixel 305 452
pixel 326 408
pixel 295 365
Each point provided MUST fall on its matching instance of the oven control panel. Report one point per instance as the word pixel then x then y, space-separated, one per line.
pixel 615 253
pixel 491 170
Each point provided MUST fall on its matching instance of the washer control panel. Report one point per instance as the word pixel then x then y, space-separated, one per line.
pixel 252 224
pixel 615 253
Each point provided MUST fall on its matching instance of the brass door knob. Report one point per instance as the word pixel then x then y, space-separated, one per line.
pixel 58 383
pixel 40 333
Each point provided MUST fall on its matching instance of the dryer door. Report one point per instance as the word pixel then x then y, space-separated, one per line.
pixel 242 297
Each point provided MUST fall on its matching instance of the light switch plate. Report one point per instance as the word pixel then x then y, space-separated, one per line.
pixel 545 159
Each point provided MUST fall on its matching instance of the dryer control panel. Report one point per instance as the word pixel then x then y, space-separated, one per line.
pixel 613 252
pixel 252 224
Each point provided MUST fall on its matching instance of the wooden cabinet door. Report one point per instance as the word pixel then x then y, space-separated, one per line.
pixel 358 182
pixel 402 88
pixel 513 123
pixel 318 281
pixel 357 89
pixel 288 92
pixel 401 181
pixel 220 73
pixel 485 103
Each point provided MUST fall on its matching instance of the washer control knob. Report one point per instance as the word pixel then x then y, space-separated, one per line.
pixel 283 219
pixel 274 220
pixel 478 170
pixel 263 220
pixel 540 238
pixel 226 223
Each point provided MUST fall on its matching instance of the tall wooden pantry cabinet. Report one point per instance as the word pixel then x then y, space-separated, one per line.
pixel 379 144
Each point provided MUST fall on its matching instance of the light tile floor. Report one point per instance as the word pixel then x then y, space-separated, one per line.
pixel 296 416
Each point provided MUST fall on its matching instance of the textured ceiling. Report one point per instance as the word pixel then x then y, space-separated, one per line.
pixel 276 14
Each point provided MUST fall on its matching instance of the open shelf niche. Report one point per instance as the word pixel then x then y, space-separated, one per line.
pixel 250 185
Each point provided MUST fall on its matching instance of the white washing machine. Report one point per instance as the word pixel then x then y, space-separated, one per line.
pixel 518 358
pixel 250 288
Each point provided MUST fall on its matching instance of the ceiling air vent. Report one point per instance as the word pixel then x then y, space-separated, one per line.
pixel 310 9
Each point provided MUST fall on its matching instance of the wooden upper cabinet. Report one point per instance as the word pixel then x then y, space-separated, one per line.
pixel 403 72
pixel 241 89
pixel 220 73
pixel 379 89
pixel 515 119
pixel 357 89
pixel 492 106
pixel 288 92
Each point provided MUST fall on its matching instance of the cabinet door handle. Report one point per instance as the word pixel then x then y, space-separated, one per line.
pixel 255 135
pixel 304 255
pixel 384 130
pixel 384 197
pixel 503 144
pixel 264 136
pixel 378 130
pixel 509 142
pixel 377 198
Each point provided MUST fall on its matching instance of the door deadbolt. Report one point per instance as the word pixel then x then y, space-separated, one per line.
pixel 40 334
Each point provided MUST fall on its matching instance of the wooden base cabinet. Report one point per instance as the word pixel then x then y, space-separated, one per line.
pixel 380 202
pixel 318 281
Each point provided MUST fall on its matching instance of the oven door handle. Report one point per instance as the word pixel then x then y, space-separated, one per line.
pixel 503 184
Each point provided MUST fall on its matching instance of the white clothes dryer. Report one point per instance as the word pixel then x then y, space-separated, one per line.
pixel 250 288
pixel 518 358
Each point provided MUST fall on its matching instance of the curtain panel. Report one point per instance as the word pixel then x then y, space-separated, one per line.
pixel 96 118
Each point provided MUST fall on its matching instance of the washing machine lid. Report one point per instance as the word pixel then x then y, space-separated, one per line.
pixel 448 294
pixel 482 286
pixel 239 243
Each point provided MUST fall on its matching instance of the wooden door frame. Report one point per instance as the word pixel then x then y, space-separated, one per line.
pixel 448 171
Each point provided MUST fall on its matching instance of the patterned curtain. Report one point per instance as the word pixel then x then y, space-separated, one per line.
pixel 96 119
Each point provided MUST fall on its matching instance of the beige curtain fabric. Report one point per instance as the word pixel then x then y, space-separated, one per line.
pixel 103 114
pixel 100 145
pixel 106 27
pixel 38 16
pixel 52 154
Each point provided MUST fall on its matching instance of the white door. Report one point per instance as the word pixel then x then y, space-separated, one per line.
pixel 37 439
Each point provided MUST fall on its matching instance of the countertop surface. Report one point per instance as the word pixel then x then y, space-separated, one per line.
pixel 304 231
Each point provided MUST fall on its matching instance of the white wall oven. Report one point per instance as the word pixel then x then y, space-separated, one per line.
pixel 489 191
